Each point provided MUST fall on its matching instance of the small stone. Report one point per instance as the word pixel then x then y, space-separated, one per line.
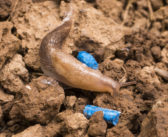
pixel 97 125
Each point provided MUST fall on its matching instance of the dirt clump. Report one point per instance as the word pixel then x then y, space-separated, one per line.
pixel 73 124
pixel 119 131
pixel 4 97
pixel 155 124
pixel 40 101
pixel 5 9
pixel 33 131
pixel 13 74
pixel 9 43
pixel 97 125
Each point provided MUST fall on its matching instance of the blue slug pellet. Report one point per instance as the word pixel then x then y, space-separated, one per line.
pixel 111 116
pixel 87 59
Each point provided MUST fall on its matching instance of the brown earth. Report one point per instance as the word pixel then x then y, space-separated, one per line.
pixel 129 39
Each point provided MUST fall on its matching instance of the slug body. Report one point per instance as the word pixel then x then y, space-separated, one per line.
pixel 66 68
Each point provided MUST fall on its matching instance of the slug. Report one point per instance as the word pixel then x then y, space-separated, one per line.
pixel 67 69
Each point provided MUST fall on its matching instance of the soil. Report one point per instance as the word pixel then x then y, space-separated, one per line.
pixel 129 39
